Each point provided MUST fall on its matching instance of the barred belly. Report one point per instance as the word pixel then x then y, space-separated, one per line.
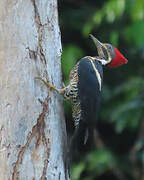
pixel 71 94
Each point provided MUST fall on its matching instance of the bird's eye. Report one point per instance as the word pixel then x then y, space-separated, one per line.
pixel 109 47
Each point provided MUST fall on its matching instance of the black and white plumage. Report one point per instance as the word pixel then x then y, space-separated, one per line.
pixel 84 92
pixel 84 89
pixel 85 110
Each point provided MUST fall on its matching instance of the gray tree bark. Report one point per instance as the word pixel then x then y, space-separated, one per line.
pixel 32 126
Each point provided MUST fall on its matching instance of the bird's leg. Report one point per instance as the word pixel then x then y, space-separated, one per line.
pixel 51 86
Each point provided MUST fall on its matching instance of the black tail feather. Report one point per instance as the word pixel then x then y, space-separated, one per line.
pixel 79 138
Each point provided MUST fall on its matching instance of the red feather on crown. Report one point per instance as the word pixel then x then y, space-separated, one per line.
pixel 118 59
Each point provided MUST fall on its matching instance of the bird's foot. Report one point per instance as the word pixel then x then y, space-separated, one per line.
pixel 47 83
pixel 51 86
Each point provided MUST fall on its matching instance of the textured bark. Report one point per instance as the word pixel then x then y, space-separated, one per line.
pixel 32 127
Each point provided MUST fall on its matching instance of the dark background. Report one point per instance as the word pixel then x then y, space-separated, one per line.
pixel 117 151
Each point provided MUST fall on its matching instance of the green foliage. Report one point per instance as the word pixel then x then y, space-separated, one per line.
pixel 135 9
pixel 95 163
pixel 100 159
pixel 114 38
pixel 121 23
pixel 134 33
pixel 77 170
pixel 126 104
pixel 110 11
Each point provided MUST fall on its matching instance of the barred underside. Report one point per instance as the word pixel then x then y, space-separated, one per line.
pixel 71 94
pixel 71 91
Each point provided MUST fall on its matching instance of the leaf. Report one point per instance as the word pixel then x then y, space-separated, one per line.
pixel 134 33
pixel 114 36
pixel 100 160
pixel 77 170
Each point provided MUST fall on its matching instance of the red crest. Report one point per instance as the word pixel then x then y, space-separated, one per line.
pixel 118 59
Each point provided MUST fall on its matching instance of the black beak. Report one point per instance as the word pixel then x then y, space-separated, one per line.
pixel 97 43
pixel 101 50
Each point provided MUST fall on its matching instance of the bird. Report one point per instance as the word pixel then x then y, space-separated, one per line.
pixel 85 87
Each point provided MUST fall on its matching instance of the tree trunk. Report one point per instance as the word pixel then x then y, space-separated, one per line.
pixel 32 126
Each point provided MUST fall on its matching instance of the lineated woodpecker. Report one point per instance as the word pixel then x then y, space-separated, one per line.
pixel 84 89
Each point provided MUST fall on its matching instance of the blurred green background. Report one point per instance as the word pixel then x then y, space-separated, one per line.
pixel 118 150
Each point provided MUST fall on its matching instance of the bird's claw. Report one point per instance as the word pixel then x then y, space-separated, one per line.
pixel 47 83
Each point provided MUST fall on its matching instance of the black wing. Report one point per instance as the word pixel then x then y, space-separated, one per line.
pixel 90 75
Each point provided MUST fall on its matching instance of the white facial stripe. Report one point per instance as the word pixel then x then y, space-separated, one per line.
pixel 97 74
pixel 109 56
pixel 103 61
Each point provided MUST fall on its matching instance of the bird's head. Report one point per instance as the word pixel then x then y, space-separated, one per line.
pixel 109 55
